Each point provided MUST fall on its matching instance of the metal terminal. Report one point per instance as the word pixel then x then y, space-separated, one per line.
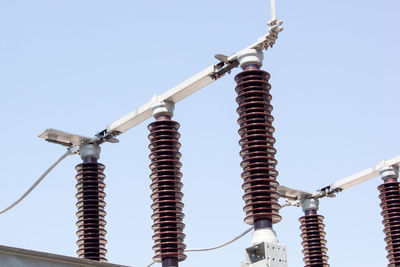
pixel 162 107
pixel 250 56
pixel 90 151
pixel 309 204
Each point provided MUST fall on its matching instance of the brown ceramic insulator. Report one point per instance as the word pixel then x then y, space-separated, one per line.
pixel 166 186
pixel 257 142
pixel 91 223
pixel 314 242
pixel 390 204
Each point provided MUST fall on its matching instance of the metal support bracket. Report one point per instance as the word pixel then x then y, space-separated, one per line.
pixel 73 140
pixel 266 254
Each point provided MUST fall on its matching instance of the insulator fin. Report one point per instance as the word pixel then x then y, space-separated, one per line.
pixel 166 186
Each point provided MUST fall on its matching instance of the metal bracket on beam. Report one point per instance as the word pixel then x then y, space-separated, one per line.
pixel 72 140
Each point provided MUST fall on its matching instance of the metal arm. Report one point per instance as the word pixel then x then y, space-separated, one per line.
pixel 293 196
pixel 360 177
pixel 191 85
pixel 174 95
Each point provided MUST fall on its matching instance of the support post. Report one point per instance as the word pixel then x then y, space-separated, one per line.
pixel 166 185
pixel 313 235
pixel 258 154
pixel 91 222
pixel 390 204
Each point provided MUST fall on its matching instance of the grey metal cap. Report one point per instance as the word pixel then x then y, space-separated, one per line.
pixel 309 204
pixel 90 151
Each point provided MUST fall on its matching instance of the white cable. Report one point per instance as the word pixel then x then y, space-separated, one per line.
pixel 216 247
pixel 219 246
pixel 37 182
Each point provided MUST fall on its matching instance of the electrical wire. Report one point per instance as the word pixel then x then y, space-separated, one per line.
pixel 69 152
pixel 219 246
pixel 213 248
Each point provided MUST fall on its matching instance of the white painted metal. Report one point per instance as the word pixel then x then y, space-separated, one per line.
pixel 176 94
pixel 364 175
pixel 273 9
pixel 388 168
pixel 251 56
pixel 389 173
pixel 293 194
pixel 266 254
pixel 193 84
pixel 266 234
pixel 265 250
pixel 159 107
pixel 64 138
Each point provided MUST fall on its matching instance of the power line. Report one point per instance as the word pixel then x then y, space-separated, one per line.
pixel 214 248
pixel 69 152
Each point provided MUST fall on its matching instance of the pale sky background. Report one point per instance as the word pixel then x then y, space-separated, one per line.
pixel 77 66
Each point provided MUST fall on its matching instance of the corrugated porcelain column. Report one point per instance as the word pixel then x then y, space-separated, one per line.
pixel 257 142
pixel 390 204
pixel 313 235
pixel 91 222
pixel 166 186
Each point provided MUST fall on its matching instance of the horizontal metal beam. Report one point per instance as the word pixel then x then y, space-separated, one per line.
pixel 191 85
pixel 176 94
pixel 293 195
pixel 363 176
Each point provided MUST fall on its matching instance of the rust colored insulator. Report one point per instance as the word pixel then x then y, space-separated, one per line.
pixel 257 142
pixel 314 242
pixel 167 196
pixel 91 223
pixel 390 204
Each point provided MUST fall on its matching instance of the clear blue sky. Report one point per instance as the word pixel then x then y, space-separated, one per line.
pixel 79 65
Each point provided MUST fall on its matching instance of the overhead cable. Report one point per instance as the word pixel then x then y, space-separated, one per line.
pixel 216 247
pixel 69 152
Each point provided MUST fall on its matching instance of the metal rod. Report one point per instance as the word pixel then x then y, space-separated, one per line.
pixel 273 11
